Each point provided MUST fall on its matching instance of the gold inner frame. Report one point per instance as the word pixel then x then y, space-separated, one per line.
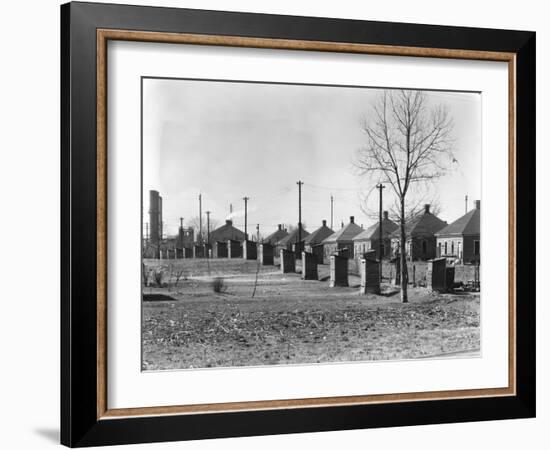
pixel 104 35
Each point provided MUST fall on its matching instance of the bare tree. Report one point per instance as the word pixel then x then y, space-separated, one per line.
pixel 201 235
pixel 408 142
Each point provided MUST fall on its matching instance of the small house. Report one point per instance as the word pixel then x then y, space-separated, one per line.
pixel 313 243
pixel 291 239
pixel 460 240
pixel 369 239
pixel 227 232
pixel 341 240
pixel 420 231
pixel 276 236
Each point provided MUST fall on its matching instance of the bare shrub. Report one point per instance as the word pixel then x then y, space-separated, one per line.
pixel 218 285
pixel 158 275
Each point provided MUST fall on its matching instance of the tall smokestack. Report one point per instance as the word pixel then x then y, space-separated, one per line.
pixel 161 225
pixel 154 217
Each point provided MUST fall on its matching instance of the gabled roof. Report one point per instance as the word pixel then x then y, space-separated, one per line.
pixel 345 234
pixel 423 224
pixel 467 225
pixel 292 237
pixel 276 236
pixel 388 227
pixel 319 234
pixel 225 232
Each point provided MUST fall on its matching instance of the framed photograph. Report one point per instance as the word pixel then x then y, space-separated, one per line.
pixel 277 224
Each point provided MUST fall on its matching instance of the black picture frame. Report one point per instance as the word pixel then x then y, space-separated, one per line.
pixel 80 425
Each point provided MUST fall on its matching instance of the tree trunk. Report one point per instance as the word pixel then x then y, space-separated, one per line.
pixel 403 255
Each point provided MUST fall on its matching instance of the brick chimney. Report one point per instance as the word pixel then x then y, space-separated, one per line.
pixel 228 222
pixel 351 219
pixel 324 223
pixel 385 215
pixel 280 226
pixel 426 208
pixel 478 204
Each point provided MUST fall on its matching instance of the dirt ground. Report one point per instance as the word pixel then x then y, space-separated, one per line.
pixel 290 321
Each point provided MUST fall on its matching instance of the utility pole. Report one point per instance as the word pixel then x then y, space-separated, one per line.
pixel 380 186
pixel 207 227
pixel 331 212
pixel 299 183
pixel 246 217
pixel 258 233
pixel 199 237
pixel 466 204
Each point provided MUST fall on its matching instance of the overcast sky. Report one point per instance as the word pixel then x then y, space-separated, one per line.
pixel 227 140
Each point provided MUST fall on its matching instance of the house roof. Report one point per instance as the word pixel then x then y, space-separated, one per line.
pixel 345 234
pixel 423 224
pixel 276 236
pixel 292 237
pixel 388 227
pixel 467 225
pixel 225 232
pixel 319 234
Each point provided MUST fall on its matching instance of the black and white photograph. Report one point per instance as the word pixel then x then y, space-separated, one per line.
pixel 302 224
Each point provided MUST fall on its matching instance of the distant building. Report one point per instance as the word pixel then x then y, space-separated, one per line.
pixel 291 239
pixel 276 236
pixel 226 232
pixel 186 238
pixel 313 243
pixel 460 240
pixel 420 234
pixel 369 239
pixel 341 240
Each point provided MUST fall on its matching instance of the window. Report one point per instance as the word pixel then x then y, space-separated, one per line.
pixel 452 247
pixel 445 247
pixel 476 248
pixel 439 249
